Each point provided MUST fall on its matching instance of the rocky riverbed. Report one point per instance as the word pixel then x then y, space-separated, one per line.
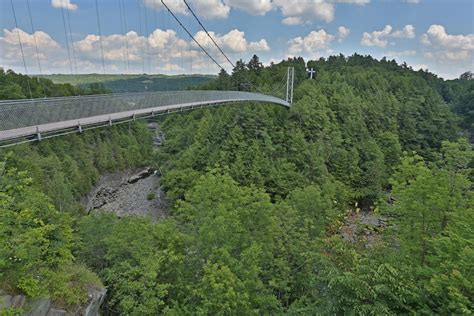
pixel 129 192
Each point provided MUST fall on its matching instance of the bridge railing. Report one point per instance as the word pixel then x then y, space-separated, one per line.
pixel 16 114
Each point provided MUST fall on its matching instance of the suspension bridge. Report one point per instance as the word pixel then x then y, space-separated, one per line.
pixel 35 119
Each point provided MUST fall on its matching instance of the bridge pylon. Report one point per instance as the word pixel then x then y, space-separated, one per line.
pixel 290 79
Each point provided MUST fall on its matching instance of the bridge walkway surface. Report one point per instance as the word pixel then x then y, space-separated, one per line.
pixel 34 119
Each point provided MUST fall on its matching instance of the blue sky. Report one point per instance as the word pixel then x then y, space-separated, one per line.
pixel 432 34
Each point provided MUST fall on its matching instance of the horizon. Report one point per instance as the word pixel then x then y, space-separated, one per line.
pixel 216 74
pixel 418 32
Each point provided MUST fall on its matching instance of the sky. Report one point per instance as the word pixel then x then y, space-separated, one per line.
pixel 142 37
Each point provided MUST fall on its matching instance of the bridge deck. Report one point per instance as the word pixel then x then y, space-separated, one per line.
pixel 26 118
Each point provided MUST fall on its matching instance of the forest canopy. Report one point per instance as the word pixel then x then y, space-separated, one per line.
pixel 262 199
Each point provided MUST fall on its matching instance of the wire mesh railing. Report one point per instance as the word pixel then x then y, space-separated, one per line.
pixel 16 114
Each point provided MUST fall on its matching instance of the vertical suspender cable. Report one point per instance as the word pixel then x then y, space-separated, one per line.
pixel 156 27
pixel 146 38
pixel 180 62
pixel 126 33
pixel 141 35
pixel 36 47
pixel 123 35
pixel 100 36
pixel 21 47
pixel 168 26
pixel 163 26
pixel 190 50
pixel 72 42
pixel 67 38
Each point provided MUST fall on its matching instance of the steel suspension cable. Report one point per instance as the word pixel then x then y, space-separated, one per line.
pixel 21 47
pixel 156 27
pixel 146 38
pixel 209 35
pixel 126 34
pixel 190 35
pixel 180 63
pixel 67 38
pixel 72 42
pixel 141 35
pixel 36 47
pixel 164 25
pixel 168 26
pixel 123 34
pixel 190 51
pixel 100 36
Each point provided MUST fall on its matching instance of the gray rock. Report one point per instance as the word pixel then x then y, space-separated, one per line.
pixel 39 307
pixel 97 297
pixel 5 301
pixel 18 300
pixel 126 193
pixel 56 312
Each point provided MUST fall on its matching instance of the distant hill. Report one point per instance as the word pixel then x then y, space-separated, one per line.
pixel 133 83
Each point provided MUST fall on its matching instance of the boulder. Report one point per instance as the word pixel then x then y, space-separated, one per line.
pixel 56 312
pixel 39 307
pixel 5 302
pixel 97 297
pixel 18 301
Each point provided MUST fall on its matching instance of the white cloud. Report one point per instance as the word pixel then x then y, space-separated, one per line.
pixel 448 54
pixel 458 55
pixel 447 48
pixel 342 33
pixel 376 38
pixel 167 52
pixel 261 45
pixel 207 9
pixel 399 54
pixel 177 6
pixel 211 9
pixel 407 32
pixel 299 12
pixel 380 38
pixel 412 1
pixel 292 20
pixel 294 12
pixel 66 4
pixel 310 45
pixel 234 42
pixel 254 7
pixel 49 51
pixel 436 36
pixel 306 10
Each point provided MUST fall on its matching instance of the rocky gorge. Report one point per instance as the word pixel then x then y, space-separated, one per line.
pixel 128 192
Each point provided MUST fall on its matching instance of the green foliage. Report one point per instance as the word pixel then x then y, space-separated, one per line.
pixel 37 242
pixel 260 195
pixel 151 196
pixel 140 261
pixel 351 283
pixel 433 209
pixel 426 200
pixel 66 168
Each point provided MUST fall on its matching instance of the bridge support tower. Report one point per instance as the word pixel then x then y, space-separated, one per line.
pixel 290 79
